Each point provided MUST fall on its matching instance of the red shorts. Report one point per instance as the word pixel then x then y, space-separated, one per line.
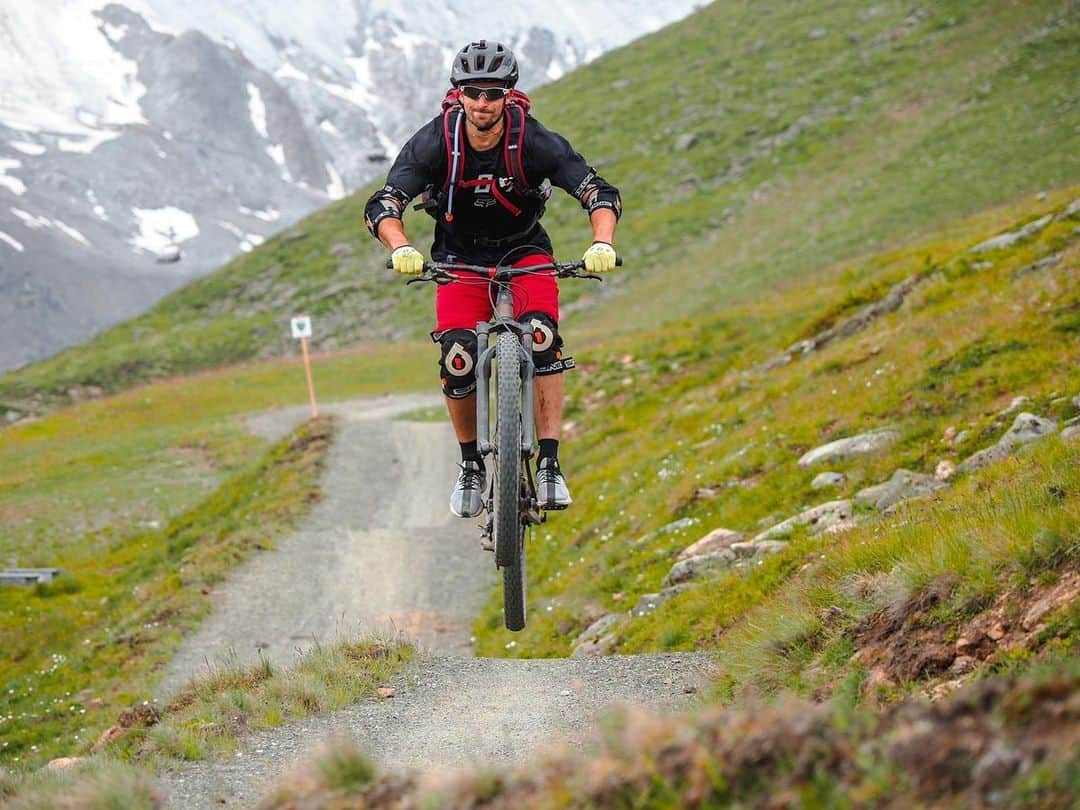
pixel 462 304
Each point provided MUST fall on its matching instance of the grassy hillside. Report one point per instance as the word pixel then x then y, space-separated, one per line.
pixel 146 500
pixel 751 143
pixel 690 428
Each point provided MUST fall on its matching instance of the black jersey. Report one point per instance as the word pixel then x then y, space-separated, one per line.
pixel 482 231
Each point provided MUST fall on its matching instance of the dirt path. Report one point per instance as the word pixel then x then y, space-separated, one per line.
pixel 382 550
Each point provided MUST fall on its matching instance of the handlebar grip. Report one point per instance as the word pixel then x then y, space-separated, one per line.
pixel 618 261
pixel 389 264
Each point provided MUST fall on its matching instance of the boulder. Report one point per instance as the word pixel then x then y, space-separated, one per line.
pixel 903 486
pixel 699 566
pixel 1026 428
pixel 651 601
pixel 598 637
pixel 1070 433
pixel 755 551
pixel 945 470
pixel 1012 237
pixel 818 518
pixel 1015 405
pixel 826 480
pixel 685 141
pixel 850 447
pixel 715 540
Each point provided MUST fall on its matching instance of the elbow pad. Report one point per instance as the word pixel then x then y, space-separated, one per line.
pixel 388 201
pixel 594 193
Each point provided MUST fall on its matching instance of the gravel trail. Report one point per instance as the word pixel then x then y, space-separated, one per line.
pixel 381 550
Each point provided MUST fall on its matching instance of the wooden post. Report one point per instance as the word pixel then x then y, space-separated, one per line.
pixel 310 383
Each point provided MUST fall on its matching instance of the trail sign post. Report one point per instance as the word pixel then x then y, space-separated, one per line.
pixel 301 330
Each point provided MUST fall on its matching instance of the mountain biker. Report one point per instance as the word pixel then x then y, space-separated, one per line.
pixel 484 215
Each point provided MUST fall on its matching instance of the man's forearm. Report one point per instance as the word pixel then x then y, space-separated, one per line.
pixel 392 233
pixel 603 225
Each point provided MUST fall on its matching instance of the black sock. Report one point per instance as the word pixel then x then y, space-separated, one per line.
pixel 549 448
pixel 469 451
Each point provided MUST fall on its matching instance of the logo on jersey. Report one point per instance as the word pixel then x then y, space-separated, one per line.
pixel 482 196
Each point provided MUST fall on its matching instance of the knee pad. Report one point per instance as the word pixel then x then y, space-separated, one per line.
pixel 547 344
pixel 457 366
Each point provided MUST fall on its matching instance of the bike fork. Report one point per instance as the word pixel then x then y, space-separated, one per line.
pixel 484 353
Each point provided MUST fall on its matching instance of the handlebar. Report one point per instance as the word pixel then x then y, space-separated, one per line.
pixel 444 272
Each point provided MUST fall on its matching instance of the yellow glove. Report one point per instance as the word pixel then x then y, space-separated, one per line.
pixel 600 258
pixel 408 260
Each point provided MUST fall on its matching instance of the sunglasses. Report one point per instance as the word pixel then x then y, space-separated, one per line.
pixel 490 93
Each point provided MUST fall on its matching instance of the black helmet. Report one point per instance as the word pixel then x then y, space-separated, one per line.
pixel 484 61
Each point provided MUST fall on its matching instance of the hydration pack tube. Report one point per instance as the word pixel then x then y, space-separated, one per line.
pixel 514 114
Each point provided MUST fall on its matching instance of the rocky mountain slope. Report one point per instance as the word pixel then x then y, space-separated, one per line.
pixel 143 144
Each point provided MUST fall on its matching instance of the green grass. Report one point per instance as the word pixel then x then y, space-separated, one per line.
pixel 209 716
pixel 79 651
pixel 145 500
pixel 673 425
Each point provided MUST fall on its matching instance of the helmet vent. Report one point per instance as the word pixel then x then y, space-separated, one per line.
pixel 480 59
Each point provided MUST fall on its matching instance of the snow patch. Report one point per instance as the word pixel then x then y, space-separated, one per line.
pixel 30 221
pixel 277 154
pixel 98 208
pixel 162 228
pixel 288 71
pixel 257 109
pixel 28 148
pixel 408 43
pixel 239 234
pixel 267 215
pixel 12 184
pixel 34 222
pixel 251 241
pixel 115 33
pixel 336 188
pixel 326 125
pixel 57 59
pixel 12 241
pixel 92 139
pixel 72 232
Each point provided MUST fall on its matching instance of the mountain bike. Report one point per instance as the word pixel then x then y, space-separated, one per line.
pixel 511 501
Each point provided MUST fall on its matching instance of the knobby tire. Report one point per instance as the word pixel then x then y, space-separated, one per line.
pixel 509 528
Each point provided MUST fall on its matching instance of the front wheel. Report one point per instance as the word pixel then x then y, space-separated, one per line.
pixel 514 586
pixel 507 449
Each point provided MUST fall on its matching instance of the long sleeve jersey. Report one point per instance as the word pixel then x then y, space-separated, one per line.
pixel 483 231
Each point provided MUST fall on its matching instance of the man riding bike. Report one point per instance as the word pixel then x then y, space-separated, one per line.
pixel 485 169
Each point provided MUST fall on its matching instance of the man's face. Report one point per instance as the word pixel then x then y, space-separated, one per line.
pixel 483 113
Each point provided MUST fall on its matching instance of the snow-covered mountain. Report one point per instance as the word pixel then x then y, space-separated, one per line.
pixel 135 133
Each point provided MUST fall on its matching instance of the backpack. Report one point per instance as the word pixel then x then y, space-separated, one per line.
pixel 453 120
